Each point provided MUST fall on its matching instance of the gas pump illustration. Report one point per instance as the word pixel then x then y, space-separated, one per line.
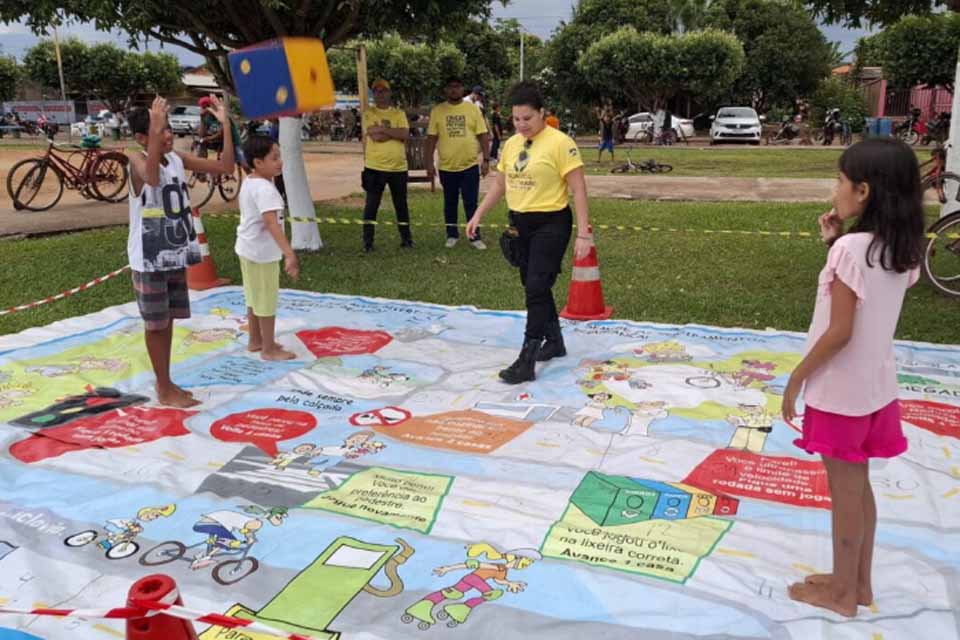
pixel 313 599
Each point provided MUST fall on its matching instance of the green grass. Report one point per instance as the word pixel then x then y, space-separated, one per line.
pixel 740 162
pixel 690 277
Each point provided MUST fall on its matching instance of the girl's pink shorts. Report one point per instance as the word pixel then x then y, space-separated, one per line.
pixel 853 438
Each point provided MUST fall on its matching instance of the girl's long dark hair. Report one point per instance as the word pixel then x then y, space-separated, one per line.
pixel 894 208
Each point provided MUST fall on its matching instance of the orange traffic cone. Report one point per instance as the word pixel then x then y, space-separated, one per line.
pixel 204 275
pixel 157 588
pixel 585 301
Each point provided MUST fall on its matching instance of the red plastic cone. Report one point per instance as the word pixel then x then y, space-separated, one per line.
pixel 585 301
pixel 157 588
pixel 204 275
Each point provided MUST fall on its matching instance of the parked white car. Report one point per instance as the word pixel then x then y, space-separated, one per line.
pixel 98 125
pixel 185 119
pixel 641 122
pixel 736 124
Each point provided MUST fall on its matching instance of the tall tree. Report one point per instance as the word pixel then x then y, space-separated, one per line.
pixel 212 28
pixel 788 55
pixel 9 77
pixel 591 21
pixel 921 50
pixel 647 69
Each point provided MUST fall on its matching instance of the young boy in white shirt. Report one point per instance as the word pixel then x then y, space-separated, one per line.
pixel 261 243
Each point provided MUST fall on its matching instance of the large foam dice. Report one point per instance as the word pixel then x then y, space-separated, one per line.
pixel 282 77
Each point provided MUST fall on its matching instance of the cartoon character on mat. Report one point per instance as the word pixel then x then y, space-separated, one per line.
pixel 382 377
pixel 668 351
pixel 754 371
pixel 642 415
pixel 495 568
pixel 319 458
pixel 14 396
pixel 208 336
pixel 592 411
pixel 232 531
pixel 121 533
pixel 753 425
pixel 83 364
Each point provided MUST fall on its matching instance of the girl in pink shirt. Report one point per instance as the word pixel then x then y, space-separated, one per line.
pixel 848 375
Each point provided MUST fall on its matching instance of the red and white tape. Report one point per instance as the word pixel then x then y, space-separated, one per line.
pixel 65 294
pixel 145 609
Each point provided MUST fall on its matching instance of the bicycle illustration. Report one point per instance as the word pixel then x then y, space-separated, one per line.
pixel 114 547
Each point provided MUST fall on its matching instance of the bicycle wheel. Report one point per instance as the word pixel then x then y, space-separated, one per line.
pixel 234 570
pixel 818 136
pixel 910 136
pixel 108 177
pixel 34 185
pixel 229 185
pixel 163 553
pixel 664 168
pixel 942 184
pixel 620 168
pixel 200 190
pixel 941 258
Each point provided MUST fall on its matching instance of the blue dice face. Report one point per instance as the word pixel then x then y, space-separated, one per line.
pixel 673 503
pixel 262 79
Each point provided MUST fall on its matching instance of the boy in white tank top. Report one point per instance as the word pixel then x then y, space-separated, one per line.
pixel 162 242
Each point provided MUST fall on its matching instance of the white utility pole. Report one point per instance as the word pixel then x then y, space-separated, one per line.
pixel 521 54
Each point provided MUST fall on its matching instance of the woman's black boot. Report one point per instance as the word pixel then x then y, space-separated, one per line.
pixel 523 369
pixel 553 346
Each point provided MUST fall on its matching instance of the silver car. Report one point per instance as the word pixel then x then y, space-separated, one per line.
pixel 736 124
pixel 185 119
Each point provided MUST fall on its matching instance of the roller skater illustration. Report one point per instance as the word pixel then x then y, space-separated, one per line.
pixel 495 568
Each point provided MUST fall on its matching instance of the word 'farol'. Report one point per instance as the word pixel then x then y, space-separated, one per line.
pixel 282 77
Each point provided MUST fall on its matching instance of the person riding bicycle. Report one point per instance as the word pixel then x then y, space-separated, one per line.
pixel 211 133
pixel 123 529
pixel 232 531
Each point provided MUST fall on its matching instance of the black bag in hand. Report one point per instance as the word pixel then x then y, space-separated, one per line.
pixel 510 246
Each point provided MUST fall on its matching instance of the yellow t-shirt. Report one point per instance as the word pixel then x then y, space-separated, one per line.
pixel 539 184
pixel 457 127
pixel 390 155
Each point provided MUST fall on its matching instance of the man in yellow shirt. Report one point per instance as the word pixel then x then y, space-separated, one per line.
pixel 385 163
pixel 458 132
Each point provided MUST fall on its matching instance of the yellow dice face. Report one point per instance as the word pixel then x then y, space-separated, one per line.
pixel 307 63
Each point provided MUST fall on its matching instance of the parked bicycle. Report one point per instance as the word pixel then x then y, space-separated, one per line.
pixel 647 166
pixel 941 256
pixel 36 184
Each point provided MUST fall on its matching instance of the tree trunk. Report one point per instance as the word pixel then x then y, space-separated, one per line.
pixel 306 235
pixel 953 151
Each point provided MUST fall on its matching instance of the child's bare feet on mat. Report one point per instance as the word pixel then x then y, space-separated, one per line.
pixel 823 595
pixel 254 347
pixel 176 397
pixel 277 353
pixel 864 594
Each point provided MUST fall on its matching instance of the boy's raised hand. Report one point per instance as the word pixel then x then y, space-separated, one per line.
pixel 158 115
pixel 218 109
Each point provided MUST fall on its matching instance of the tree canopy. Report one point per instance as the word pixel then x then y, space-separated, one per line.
pixel 103 71
pixel 788 55
pixel 650 68
pixel 212 28
pixel 416 71
pixel 920 50
pixel 883 12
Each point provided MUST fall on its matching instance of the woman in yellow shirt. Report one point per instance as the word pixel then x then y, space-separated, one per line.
pixel 538 170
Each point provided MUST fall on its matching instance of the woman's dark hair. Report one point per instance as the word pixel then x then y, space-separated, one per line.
pixel 894 208
pixel 525 94
pixel 257 148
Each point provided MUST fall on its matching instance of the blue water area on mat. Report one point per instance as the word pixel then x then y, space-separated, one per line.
pixel 11 634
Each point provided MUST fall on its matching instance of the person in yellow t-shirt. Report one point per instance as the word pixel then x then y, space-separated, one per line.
pixel 538 170
pixel 458 132
pixel 385 163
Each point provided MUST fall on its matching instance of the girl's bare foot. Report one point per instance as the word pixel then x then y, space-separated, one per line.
pixel 175 397
pixel 277 353
pixel 822 595
pixel 254 347
pixel 864 594
pixel 185 392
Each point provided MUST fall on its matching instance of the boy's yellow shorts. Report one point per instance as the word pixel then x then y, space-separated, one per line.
pixel 261 286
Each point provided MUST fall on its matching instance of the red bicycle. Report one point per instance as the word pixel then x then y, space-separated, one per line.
pixel 937 178
pixel 36 184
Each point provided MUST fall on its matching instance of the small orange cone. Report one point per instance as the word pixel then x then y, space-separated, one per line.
pixel 204 275
pixel 157 588
pixel 585 301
